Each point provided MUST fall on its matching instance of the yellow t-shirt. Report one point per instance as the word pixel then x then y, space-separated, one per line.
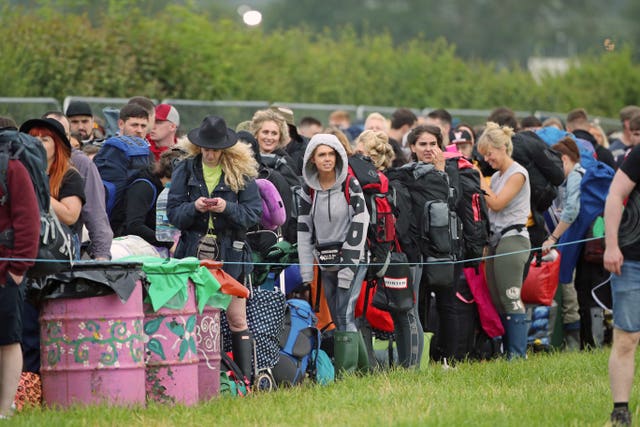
pixel 211 179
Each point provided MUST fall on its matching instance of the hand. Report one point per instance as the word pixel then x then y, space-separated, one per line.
pixel 438 159
pixel 201 204
pixel 217 205
pixel 547 245
pixel 613 259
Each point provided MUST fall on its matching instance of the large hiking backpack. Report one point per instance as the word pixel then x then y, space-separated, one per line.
pixel 119 162
pixel 471 207
pixel 437 229
pixel 298 339
pixel 594 189
pixel 380 200
pixel 544 166
pixel 55 237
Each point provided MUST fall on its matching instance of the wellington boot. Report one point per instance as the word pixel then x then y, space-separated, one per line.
pixel 345 352
pixel 515 336
pixel 242 348
pixel 364 366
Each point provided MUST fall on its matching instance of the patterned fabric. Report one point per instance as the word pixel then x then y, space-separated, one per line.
pixel 29 391
pixel 265 316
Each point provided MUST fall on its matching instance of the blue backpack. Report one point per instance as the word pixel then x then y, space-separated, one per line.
pixel 119 162
pixel 299 339
pixel 594 189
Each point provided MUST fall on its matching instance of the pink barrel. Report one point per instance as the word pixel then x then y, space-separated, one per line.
pixel 171 352
pixel 208 338
pixel 92 350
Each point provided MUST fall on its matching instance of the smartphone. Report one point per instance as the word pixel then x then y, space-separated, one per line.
pixel 210 202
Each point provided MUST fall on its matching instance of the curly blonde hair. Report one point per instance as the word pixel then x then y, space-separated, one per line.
pixel 262 116
pixel 496 136
pixel 237 163
pixel 376 146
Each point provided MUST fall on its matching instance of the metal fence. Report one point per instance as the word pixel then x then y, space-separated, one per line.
pixel 235 112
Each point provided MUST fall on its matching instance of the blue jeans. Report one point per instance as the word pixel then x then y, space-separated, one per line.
pixel 626 297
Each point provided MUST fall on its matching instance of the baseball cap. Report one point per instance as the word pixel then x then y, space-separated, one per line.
pixel 460 137
pixel 166 112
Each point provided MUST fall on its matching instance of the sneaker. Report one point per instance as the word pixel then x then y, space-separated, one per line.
pixel 620 417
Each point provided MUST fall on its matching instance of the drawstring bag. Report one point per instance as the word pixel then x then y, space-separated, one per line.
pixel 394 291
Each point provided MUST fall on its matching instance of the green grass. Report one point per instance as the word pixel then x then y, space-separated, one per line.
pixel 561 389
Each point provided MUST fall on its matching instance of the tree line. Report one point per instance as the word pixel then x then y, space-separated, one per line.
pixel 180 51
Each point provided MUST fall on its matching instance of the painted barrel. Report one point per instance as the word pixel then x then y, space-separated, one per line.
pixel 171 352
pixel 208 340
pixel 92 350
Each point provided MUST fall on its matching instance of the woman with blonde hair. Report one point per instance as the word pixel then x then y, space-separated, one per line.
pixel 375 145
pixel 213 201
pixel 508 200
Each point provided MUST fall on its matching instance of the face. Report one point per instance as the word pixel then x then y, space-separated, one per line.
pixel 634 137
pixel 376 124
pixel 82 125
pixel 426 148
pixel 466 149
pixel 495 156
pixel 268 137
pixel 134 126
pixel 163 130
pixel 324 157
pixel 49 146
pixel 309 130
pixel 211 157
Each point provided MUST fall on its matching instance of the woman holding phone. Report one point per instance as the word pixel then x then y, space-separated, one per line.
pixel 213 200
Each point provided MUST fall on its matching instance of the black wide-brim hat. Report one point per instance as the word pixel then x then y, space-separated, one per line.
pixel 213 134
pixel 48 123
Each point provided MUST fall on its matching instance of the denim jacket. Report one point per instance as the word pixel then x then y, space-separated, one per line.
pixel 571 197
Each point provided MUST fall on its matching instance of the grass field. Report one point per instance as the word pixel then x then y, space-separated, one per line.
pixel 561 389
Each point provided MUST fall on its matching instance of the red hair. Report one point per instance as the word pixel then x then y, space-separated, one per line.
pixel 60 163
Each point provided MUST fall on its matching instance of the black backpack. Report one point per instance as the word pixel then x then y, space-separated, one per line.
pixel 55 237
pixel 544 166
pixel 435 230
pixel 469 203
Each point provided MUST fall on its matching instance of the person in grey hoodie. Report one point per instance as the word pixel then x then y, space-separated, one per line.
pixel 332 232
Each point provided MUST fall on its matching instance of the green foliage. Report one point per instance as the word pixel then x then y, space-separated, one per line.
pixel 190 52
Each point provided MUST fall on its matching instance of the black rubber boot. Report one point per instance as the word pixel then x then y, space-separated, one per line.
pixel 242 347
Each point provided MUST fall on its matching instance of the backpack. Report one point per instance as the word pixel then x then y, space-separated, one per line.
pixel 544 166
pixel 232 381
pixel 435 230
pixel 119 162
pixel 594 189
pixel 471 207
pixel 273 211
pixel 298 339
pixel 55 237
pixel 118 216
pixel 380 201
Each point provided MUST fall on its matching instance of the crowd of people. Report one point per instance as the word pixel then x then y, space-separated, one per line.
pixel 208 178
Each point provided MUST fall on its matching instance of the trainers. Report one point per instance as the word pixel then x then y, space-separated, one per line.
pixel 620 417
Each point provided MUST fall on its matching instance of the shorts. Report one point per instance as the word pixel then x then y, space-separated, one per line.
pixel 11 306
pixel 626 297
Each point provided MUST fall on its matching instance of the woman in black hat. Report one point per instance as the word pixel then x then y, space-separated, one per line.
pixel 213 201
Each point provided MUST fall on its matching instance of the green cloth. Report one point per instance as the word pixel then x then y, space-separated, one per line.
pixel 211 179
pixel 169 278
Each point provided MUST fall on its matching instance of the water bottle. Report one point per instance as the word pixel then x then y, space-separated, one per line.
pixel 165 232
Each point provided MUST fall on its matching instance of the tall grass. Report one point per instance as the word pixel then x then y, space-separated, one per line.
pixel 561 389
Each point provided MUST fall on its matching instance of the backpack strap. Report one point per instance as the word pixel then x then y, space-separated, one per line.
pixel 4 166
pixel 155 190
